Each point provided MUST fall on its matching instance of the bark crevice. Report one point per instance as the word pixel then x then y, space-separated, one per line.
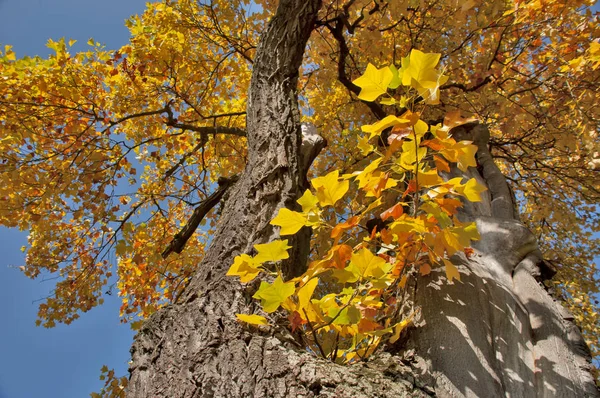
pixel 495 333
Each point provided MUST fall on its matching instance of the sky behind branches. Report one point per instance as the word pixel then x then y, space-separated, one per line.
pixel 65 361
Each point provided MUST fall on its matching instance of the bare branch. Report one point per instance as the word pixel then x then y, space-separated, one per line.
pixel 181 238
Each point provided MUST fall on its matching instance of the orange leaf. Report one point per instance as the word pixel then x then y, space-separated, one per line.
pixel 340 228
pixel 394 211
pixel 436 145
pixel 441 164
pixel 366 325
pixel 454 119
pixel 296 320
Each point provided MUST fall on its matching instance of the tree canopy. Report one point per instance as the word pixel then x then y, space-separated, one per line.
pixel 107 154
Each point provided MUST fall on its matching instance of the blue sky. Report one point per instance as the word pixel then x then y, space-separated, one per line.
pixel 65 361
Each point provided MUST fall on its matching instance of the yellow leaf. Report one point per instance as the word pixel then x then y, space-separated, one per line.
pixel 306 292
pixel 377 128
pixel 9 53
pixel 420 128
pixel 408 224
pixel 329 188
pixel 364 146
pixel 71 42
pixel 243 266
pixel 272 251
pixel 471 190
pixel 451 271
pixel 465 155
pixel 289 221
pixel 411 155
pixel 418 66
pixel 365 264
pixel 398 328
pixel 373 82
pixel 429 178
pixel 396 81
pixel 252 319
pixel 418 71
pixel 308 201
pixel 271 296
pixel 345 316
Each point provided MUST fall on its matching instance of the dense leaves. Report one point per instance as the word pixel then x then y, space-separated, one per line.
pixel 349 300
pixel 106 154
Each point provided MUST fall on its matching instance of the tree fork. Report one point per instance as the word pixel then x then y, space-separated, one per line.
pixel 179 349
pixel 496 333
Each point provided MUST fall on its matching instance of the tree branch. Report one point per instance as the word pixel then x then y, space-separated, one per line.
pixel 337 32
pixel 204 130
pixel 181 238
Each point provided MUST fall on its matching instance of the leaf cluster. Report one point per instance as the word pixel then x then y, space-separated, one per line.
pixel 349 301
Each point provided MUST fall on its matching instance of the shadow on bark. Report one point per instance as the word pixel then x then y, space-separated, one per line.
pixel 496 333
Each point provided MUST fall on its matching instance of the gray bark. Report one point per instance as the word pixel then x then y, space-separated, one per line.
pixel 495 333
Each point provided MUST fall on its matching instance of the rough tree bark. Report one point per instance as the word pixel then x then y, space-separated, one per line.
pixel 496 333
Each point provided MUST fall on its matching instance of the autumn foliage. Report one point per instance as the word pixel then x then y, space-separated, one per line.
pixel 105 154
pixel 350 299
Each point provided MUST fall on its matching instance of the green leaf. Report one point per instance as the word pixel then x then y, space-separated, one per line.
pixel 271 296
pixel 348 316
pixel 396 80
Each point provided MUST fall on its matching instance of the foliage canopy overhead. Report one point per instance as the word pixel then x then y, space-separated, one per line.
pixel 105 154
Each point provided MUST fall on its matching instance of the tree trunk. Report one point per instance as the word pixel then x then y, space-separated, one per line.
pixel 495 333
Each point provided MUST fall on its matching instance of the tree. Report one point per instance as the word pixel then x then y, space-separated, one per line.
pixel 208 98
